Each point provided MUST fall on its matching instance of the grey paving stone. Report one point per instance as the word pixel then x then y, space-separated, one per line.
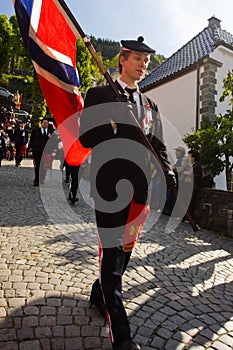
pixel 178 287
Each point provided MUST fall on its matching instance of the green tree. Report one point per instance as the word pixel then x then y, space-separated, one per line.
pixel 214 139
pixel 5 42
pixel 155 61
pixel 113 63
pixel 84 64
pixel 18 56
pixel 228 88
pixel 39 107
pixel 108 48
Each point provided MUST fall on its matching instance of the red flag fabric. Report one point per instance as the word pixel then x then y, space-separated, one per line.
pixel 138 214
pixel 50 39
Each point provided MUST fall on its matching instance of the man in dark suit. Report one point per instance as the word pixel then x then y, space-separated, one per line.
pixel 20 140
pixel 118 154
pixel 39 138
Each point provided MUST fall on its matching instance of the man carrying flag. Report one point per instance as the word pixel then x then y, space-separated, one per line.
pixel 118 155
pixel 53 53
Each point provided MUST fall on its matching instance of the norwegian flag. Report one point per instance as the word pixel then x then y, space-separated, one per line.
pixel 50 39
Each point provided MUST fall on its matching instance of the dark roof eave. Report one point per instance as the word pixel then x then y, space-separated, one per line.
pixel 174 75
pixel 223 43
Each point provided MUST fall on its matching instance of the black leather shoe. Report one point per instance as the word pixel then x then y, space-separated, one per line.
pixel 128 345
pixel 72 199
pixel 96 298
pixel 102 310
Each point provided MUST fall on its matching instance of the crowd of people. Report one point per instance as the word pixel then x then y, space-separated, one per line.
pixel 14 136
pixel 189 180
pixel 16 143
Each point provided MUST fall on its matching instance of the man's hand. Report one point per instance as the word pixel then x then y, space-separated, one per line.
pixel 170 179
pixel 114 126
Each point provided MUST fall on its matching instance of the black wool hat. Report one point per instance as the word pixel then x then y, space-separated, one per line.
pixel 136 45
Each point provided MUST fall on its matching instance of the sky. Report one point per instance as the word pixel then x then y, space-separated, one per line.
pixel 166 25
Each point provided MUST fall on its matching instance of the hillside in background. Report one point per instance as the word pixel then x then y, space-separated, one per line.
pixel 109 50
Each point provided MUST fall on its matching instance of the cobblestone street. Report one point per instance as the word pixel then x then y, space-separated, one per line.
pixel 178 288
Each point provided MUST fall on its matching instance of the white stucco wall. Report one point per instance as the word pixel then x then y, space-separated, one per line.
pixel 225 56
pixel 177 105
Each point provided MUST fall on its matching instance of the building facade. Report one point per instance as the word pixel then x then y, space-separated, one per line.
pixel 188 85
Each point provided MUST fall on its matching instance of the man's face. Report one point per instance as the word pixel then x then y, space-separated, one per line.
pixel 44 124
pixel 179 154
pixel 135 65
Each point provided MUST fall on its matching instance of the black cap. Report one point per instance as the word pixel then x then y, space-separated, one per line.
pixel 136 45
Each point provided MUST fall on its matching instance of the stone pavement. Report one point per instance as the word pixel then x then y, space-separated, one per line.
pixel 178 288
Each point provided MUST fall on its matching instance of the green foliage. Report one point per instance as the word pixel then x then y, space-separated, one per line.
pixel 108 48
pixel 39 108
pixel 84 64
pixel 19 58
pixel 214 139
pixel 205 140
pixel 228 88
pixel 5 41
pixel 87 68
pixel 113 63
pixel 155 61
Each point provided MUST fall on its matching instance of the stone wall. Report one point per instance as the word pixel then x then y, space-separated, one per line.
pixel 215 210
pixel 208 90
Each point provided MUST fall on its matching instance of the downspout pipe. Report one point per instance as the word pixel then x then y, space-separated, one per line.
pixel 197 98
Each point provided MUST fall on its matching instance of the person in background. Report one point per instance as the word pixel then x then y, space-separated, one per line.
pixel 182 180
pixel 74 181
pixel 2 145
pixel 67 171
pixel 21 141
pixel 182 162
pixel 194 158
pixel 9 148
pixel 38 140
pixel 117 229
pixel 157 197
pixel 10 130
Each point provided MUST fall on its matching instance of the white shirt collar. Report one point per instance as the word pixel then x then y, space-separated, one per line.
pixel 124 85
pixel 135 95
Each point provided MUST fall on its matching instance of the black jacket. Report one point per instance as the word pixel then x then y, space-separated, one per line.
pixel 2 146
pixel 38 141
pixel 20 137
pixel 120 155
